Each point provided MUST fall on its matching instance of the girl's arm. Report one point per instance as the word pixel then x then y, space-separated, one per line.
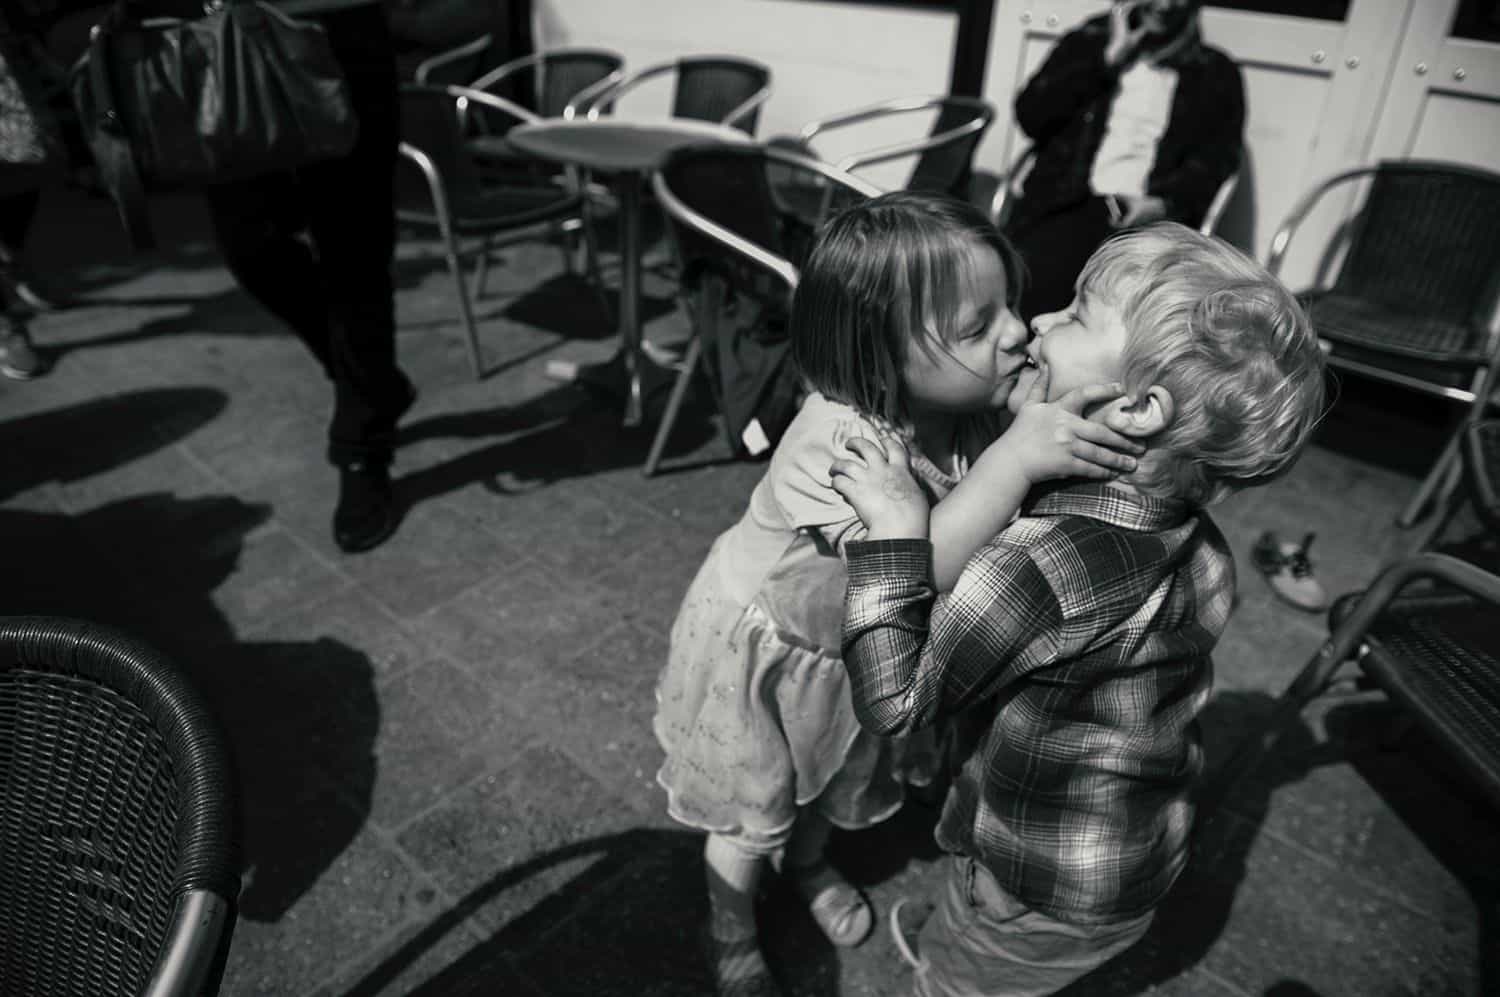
pixel 1047 440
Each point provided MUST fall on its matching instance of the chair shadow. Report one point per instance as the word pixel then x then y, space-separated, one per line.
pixel 629 924
pixel 565 432
pixel 1196 911
pixel 1417 780
pixel 149 564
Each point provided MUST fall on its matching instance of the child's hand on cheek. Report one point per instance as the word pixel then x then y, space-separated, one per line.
pixel 1053 439
pixel 876 479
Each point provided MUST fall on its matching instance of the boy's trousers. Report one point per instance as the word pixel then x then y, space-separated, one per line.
pixel 982 942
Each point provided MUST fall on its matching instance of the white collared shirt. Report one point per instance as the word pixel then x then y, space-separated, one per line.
pixel 1137 119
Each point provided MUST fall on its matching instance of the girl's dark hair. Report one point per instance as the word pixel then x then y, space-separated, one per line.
pixel 880 276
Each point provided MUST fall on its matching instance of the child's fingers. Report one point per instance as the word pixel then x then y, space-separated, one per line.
pixel 866 450
pixel 1079 399
pixel 1106 436
pixel 845 470
pixel 1102 458
pixel 1037 393
pixel 895 449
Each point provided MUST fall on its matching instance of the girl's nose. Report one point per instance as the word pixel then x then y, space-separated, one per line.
pixel 1013 334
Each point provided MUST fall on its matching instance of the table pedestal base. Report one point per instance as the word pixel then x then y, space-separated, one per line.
pixel 656 369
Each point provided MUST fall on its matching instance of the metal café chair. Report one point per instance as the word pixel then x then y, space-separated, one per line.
pixel 1009 190
pixel 941 158
pixel 447 190
pixel 735 243
pixel 1414 300
pixel 118 857
pixel 725 89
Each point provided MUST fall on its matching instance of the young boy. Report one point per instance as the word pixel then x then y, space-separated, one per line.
pixel 1085 626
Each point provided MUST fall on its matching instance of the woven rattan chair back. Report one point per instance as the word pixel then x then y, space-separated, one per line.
pixel 709 87
pixel 1427 241
pixel 564 75
pixel 117 855
pixel 726 184
pixel 433 121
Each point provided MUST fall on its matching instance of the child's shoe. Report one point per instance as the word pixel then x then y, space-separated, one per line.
pixel 835 903
pixel 1289 571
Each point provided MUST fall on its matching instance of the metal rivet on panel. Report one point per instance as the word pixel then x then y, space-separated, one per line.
pixel 1460 73
pixel 1352 62
pixel 1319 56
pixel 1421 68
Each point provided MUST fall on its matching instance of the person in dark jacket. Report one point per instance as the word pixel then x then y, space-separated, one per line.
pixel 315 247
pixel 1134 119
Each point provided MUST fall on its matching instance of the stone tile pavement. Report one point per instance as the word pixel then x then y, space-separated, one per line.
pixel 444 748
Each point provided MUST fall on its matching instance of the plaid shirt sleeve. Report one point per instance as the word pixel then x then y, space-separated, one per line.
pixel 912 658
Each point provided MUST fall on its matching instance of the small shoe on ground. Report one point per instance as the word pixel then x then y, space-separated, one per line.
pixel 19 360
pixel 1289 571
pixel 841 911
pixel 367 513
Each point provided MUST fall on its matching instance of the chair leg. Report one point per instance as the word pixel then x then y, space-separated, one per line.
pixel 482 269
pixel 465 309
pixel 1432 486
pixel 674 404
pixel 566 242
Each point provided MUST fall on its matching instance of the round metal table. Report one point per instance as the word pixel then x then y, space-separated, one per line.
pixel 626 151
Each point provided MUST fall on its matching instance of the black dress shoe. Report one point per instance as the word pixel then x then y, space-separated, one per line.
pixel 367 513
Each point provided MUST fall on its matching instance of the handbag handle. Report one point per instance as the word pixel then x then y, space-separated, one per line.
pixel 111 147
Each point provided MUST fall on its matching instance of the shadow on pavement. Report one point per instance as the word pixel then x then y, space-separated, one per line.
pixel 149 564
pixel 630 924
pixel 1197 909
pixel 565 432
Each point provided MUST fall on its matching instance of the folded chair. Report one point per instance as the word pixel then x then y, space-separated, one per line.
pixel 724 89
pixel 735 243
pixel 118 864
pixel 1414 300
pixel 443 188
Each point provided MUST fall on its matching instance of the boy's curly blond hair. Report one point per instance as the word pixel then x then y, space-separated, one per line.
pixel 1231 344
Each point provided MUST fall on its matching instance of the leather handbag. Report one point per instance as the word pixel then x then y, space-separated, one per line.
pixel 185 103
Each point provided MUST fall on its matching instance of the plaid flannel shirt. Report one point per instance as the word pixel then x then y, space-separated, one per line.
pixel 1085 627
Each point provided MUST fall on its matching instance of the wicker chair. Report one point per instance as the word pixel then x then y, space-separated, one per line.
pixel 721 88
pixel 118 868
pixel 733 237
pixel 1425 633
pixel 1414 300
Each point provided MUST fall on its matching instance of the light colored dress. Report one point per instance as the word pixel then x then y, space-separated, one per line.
pixel 753 706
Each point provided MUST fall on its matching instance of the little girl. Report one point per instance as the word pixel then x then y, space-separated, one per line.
pixel 903 323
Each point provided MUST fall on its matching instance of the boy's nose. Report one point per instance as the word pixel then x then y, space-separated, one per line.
pixel 1041 323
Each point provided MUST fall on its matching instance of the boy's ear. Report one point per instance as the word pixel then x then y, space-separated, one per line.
pixel 1148 415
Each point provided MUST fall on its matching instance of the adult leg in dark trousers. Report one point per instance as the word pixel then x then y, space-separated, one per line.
pixel 1055 247
pixel 334 288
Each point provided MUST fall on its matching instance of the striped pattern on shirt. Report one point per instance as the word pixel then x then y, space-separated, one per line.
pixel 1084 628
